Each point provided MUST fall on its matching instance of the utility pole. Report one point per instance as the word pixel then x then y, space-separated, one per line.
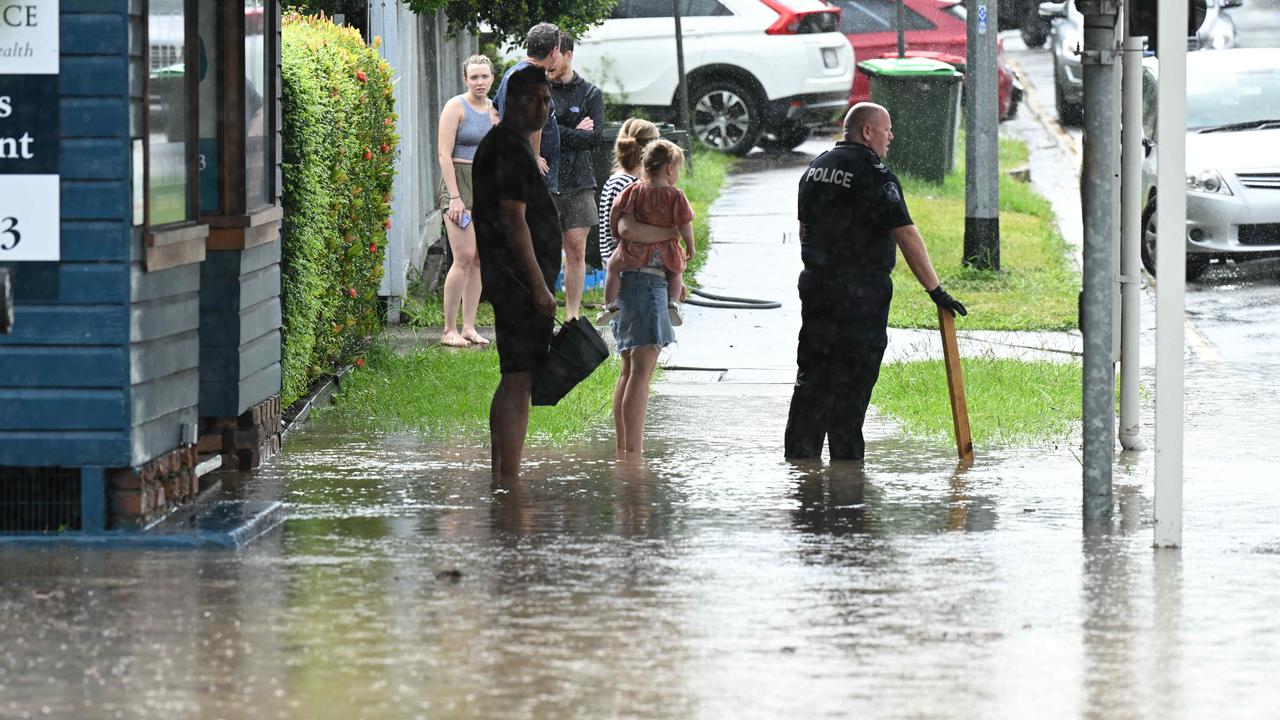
pixel 1171 267
pixel 683 88
pixel 1098 186
pixel 1130 240
pixel 982 140
pixel 902 33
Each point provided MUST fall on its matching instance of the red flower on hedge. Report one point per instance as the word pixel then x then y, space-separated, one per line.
pixel 373 248
pixel 368 154
pixel 359 362
pixel 388 122
pixel 387 224
pixel 361 76
pixel 351 292
pixel 384 148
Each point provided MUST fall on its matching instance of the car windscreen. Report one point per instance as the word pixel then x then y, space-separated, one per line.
pixel 1219 94
pixel 872 16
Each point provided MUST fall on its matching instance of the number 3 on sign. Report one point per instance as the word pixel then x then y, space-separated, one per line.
pixel 9 235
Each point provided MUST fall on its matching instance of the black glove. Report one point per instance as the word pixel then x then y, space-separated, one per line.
pixel 943 299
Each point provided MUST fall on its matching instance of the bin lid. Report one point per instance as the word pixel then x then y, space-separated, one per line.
pixel 907 67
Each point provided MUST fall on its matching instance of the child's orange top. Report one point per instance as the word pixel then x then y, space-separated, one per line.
pixel 661 206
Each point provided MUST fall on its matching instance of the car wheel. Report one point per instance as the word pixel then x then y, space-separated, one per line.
pixel 787 137
pixel 1196 263
pixel 725 117
pixel 1035 29
pixel 1069 113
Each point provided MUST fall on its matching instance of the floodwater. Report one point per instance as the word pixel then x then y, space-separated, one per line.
pixel 713 580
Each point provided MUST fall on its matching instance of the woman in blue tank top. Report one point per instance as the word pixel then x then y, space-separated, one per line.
pixel 464 121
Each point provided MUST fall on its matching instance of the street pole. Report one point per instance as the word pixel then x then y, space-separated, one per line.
pixel 1098 185
pixel 902 33
pixel 683 87
pixel 1130 241
pixel 982 141
pixel 1171 268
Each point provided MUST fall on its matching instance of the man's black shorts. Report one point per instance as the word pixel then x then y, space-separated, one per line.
pixel 523 336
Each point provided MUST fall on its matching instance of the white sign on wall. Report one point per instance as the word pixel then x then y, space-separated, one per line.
pixel 30 209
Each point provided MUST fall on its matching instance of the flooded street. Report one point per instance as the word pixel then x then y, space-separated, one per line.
pixel 716 580
pixel 713 580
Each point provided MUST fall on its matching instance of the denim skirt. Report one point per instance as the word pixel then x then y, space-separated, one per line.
pixel 642 312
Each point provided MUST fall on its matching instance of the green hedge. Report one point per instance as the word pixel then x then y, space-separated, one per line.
pixel 339 142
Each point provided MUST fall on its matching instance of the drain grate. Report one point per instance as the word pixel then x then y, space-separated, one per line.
pixel 39 499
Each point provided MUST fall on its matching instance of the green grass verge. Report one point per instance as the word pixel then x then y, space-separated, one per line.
pixel 1010 401
pixel 702 187
pixel 1036 288
pixel 445 393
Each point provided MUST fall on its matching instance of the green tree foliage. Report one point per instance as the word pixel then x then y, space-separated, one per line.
pixel 511 20
pixel 353 11
pixel 338 141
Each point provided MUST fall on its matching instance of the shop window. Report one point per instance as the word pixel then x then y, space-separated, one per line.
pixel 259 160
pixel 169 101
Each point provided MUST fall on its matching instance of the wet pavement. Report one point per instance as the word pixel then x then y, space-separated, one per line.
pixel 712 580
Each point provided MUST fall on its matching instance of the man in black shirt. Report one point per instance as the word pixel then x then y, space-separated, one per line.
pixel 518 240
pixel 852 217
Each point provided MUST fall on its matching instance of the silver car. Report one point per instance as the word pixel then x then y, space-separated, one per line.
pixel 1216 32
pixel 1233 157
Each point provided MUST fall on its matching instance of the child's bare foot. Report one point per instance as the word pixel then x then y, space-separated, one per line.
pixel 673 312
pixel 475 338
pixel 608 313
pixel 453 339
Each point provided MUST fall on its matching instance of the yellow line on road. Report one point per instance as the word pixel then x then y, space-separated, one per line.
pixel 1032 99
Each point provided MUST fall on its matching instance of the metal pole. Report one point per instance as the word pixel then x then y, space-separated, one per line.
pixel 1130 242
pixel 902 24
pixel 982 141
pixel 1098 183
pixel 1171 268
pixel 683 88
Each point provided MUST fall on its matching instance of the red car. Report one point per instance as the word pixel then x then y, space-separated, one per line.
pixel 934 29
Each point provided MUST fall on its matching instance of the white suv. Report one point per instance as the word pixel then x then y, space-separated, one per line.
pixel 759 70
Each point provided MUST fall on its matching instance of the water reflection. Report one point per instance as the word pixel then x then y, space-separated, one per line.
pixel 832 498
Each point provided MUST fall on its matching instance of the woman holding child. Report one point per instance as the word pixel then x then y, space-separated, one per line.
pixel 646 221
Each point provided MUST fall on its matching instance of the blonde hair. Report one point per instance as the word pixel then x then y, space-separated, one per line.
pixel 633 136
pixel 477 60
pixel 659 154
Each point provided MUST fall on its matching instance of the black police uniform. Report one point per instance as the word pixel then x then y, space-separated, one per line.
pixel 849 204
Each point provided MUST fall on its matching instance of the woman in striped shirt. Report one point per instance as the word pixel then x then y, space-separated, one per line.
pixel 632 137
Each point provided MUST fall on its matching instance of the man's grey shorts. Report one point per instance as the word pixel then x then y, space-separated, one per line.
pixel 577 208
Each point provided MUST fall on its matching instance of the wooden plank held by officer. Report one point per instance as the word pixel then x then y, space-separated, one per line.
pixel 853 219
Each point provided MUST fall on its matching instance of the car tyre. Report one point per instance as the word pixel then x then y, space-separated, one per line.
pixel 787 137
pixel 1197 264
pixel 725 116
pixel 1069 113
pixel 1034 29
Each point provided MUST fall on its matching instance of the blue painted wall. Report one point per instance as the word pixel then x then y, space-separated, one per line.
pixel 65 396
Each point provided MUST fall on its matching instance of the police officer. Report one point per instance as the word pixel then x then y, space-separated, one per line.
pixel 852 216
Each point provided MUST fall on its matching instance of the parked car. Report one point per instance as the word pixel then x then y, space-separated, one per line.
pixel 1216 32
pixel 759 70
pixel 1024 16
pixel 1233 157
pixel 932 28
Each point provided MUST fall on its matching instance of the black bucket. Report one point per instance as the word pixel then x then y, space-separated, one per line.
pixel 576 351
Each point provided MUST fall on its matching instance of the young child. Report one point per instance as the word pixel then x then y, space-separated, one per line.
pixel 655 200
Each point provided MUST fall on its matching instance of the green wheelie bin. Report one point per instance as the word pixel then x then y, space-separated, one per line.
pixel 923 96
